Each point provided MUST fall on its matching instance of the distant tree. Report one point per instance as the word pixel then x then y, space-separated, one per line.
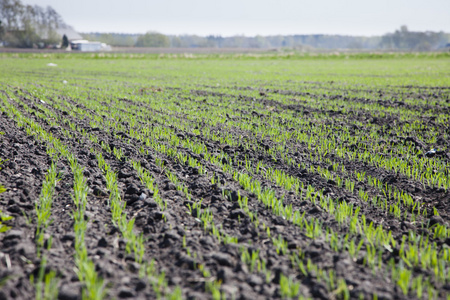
pixel 261 42
pixel 355 44
pixel 400 39
pixel 65 42
pixel 153 39
pixel 10 10
pixel 404 39
pixel 176 42
pixel 2 31
pixel 214 41
pixel 27 26
pixel 195 41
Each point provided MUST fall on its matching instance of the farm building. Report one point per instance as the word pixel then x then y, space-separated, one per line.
pixel 88 46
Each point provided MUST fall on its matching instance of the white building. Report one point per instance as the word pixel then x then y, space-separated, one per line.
pixel 88 46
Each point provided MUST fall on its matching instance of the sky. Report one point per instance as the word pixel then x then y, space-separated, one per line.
pixel 252 17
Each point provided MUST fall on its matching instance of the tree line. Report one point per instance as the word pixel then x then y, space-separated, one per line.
pixel 401 39
pixel 420 41
pixel 30 26
pixel 25 26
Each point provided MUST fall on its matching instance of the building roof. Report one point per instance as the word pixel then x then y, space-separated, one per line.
pixel 84 42
pixel 69 32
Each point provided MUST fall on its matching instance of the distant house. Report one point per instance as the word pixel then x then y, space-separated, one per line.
pixel 88 46
pixel 77 43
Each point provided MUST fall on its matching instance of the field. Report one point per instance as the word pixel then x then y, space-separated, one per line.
pixel 253 176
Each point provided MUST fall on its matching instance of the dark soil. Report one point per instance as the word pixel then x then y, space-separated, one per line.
pixel 27 163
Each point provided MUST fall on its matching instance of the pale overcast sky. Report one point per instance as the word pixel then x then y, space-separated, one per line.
pixel 252 17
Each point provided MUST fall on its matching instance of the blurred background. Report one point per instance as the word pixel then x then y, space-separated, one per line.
pixel 263 25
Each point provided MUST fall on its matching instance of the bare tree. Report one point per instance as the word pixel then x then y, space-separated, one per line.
pixel 10 10
pixel 26 25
